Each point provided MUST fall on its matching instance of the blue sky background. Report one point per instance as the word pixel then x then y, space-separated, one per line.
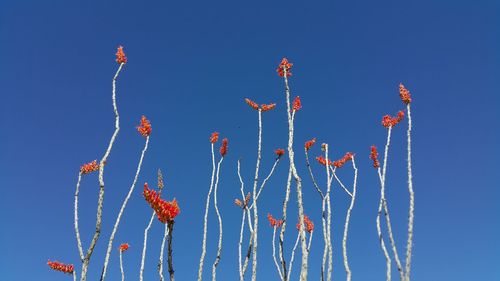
pixel 191 64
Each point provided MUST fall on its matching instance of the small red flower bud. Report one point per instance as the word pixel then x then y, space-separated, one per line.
pixel 374 156
pixel 404 94
pixel 296 104
pixel 279 152
pixel 223 148
pixel 123 247
pixel 309 143
pixel 89 167
pixel 120 56
pixel 339 163
pixel 308 224
pixel 145 128
pixel 252 104
pixel 284 66
pixel 322 161
pixel 65 268
pixel 388 121
pixel 214 137
pixel 267 107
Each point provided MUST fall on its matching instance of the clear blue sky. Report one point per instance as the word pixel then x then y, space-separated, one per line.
pixel 191 64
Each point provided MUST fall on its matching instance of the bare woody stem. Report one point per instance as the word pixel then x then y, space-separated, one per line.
pixel 274 254
pixel 219 245
pixel 144 245
pixel 162 248
pixel 124 205
pixel 169 257
pixel 293 255
pixel 346 226
pixel 100 200
pixel 379 231
pixel 249 251
pixel 121 265
pixel 255 209
pixel 327 201
pixel 77 231
pixel 240 243
pixel 305 254
pixel 409 244
pixel 205 220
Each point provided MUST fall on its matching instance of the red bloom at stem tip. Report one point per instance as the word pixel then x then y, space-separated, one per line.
pixel 165 210
pixel 279 152
pixel 283 67
pixel 214 137
pixel 339 163
pixel 123 247
pixel 145 127
pixel 389 121
pixel 267 107
pixel 296 104
pixel 223 148
pixel 89 167
pixel 252 104
pixel 322 161
pixel 308 223
pixel 374 156
pixel 274 222
pixel 309 143
pixel 120 56
pixel 404 94
pixel 66 268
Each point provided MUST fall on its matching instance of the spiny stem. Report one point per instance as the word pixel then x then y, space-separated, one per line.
pixel 124 205
pixel 77 231
pixel 346 226
pixel 169 258
pixel 329 214
pixel 293 255
pixel 240 243
pixel 379 231
pixel 100 200
pixel 160 262
pixel 144 245
pixel 255 212
pixel 409 244
pixel 219 245
pixel 274 254
pixel 205 220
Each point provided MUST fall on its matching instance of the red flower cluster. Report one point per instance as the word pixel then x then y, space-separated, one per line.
pixel 252 104
pixel 274 222
pixel 404 94
pixel 223 148
pixel 145 127
pixel 284 65
pixel 322 161
pixel 374 156
pixel 296 104
pixel 279 152
pixel 165 210
pixel 123 247
pixel 308 223
pixel 389 121
pixel 267 107
pixel 309 143
pixel 89 167
pixel 214 137
pixel 66 268
pixel 120 56
pixel 339 163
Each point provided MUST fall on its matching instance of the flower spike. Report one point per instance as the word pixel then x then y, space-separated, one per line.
pixel 120 56
pixel 214 137
pixel 145 127
pixel 374 156
pixel 223 148
pixel 296 104
pixel 57 266
pixel 252 104
pixel 284 66
pixel 89 167
pixel 404 94
pixel 123 247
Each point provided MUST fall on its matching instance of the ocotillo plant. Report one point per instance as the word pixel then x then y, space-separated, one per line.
pixel 167 211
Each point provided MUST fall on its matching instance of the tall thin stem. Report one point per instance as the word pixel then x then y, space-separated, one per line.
pixel 293 255
pixel 102 163
pixel 144 245
pixel 379 231
pixel 205 220
pixel 219 245
pixel 124 205
pixel 77 231
pixel 409 244
pixel 169 257
pixel 160 262
pixel 274 254
pixel 121 266
pixel 347 218
pixel 329 215
pixel 255 211
pixel 240 243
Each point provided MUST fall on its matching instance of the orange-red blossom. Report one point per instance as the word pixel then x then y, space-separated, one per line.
pixel 123 247
pixel 214 137
pixel 165 210
pixel 309 143
pixel 284 65
pixel 223 148
pixel 389 121
pixel 308 223
pixel 145 128
pixel 274 222
pixel 404 94
pixel 339 163
pixel 374 156
pixel 89 167
pixel 120 55
pixel 66 268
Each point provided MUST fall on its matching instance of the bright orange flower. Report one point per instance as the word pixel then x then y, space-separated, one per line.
pixel 339 163
pixel 144 128
pixel 214 137
pixel 404 94
pixel 165 210
pixel 308 223
pixel 123 247
pixel 223 148
pixel 374 156
pixel 274 222
pixel 322 161
pixel 66 268
pixel 267 107
pixel 284 66
pixel 388 121
pixel 279 152
pixel 120 56
pixel 252 104
pixel 296 104
pixel 309 143
pixel 89 167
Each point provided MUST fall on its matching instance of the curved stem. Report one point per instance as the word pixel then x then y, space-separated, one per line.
pixel 274 254
pixel 205 220
pixel 240 243
pixel 160 262
pixel 219 245
pixel 121 266
pixel 347 219
pixel 293 255
pixel 77 231
pixel 100 199
pixel 411 211
pixel 144 245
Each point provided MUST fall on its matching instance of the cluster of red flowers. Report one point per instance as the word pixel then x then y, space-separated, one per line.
pixel 308 223
pixel 374 156
pixel 66 268
pixel 274 222
pixel 267 107
pixel 241 204
pixel 309 143
pixel 404 94
pixel 263 107
pixel 322 161
pixel 223 148
pixel 284 65
pixel 165 210
pixel 89 167
pixel 214 137
pixel 120 56
pixel 296 104
pixel 145 127
pixel 279 152
pixel 123 247
pixel 389 121
pixel 339 163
